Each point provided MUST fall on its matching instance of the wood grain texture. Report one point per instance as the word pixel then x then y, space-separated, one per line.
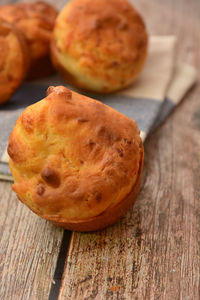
pixel 29 248
pixel 153 253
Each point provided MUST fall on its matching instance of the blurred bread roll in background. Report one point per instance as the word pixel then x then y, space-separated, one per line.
pixel 14 60
pixel 35 20
pixel 75 161
pixel 99 45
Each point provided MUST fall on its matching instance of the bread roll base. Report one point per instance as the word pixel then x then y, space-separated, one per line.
pixel 73 81
pixel 108 217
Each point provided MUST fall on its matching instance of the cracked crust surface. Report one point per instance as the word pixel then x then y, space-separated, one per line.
pixel 74 158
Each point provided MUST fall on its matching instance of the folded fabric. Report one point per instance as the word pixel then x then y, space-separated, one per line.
pixel 161 86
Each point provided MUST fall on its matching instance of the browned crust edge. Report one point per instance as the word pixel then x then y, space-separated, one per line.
pixel 25 52
pixel 109 216
pixel 67 76
pixel 72 80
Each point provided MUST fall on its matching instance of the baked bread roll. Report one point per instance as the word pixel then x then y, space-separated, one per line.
pixel 14 60
pixel 75 161
pixel 35 20
pixel 99 45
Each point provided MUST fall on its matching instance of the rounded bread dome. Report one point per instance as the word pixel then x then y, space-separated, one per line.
pixel 99 45
pixel 75 161
pixel 35 20
pixel 14 60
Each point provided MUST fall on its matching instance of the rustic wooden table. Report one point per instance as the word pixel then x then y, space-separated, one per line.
pixel 152 253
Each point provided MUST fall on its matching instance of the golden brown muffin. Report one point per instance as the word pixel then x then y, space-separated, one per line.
pixel 14 60
pixel 99 45
pixel 35 20
pixel 75 161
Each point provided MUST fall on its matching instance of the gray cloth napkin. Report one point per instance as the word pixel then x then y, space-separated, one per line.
pixel 161 86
